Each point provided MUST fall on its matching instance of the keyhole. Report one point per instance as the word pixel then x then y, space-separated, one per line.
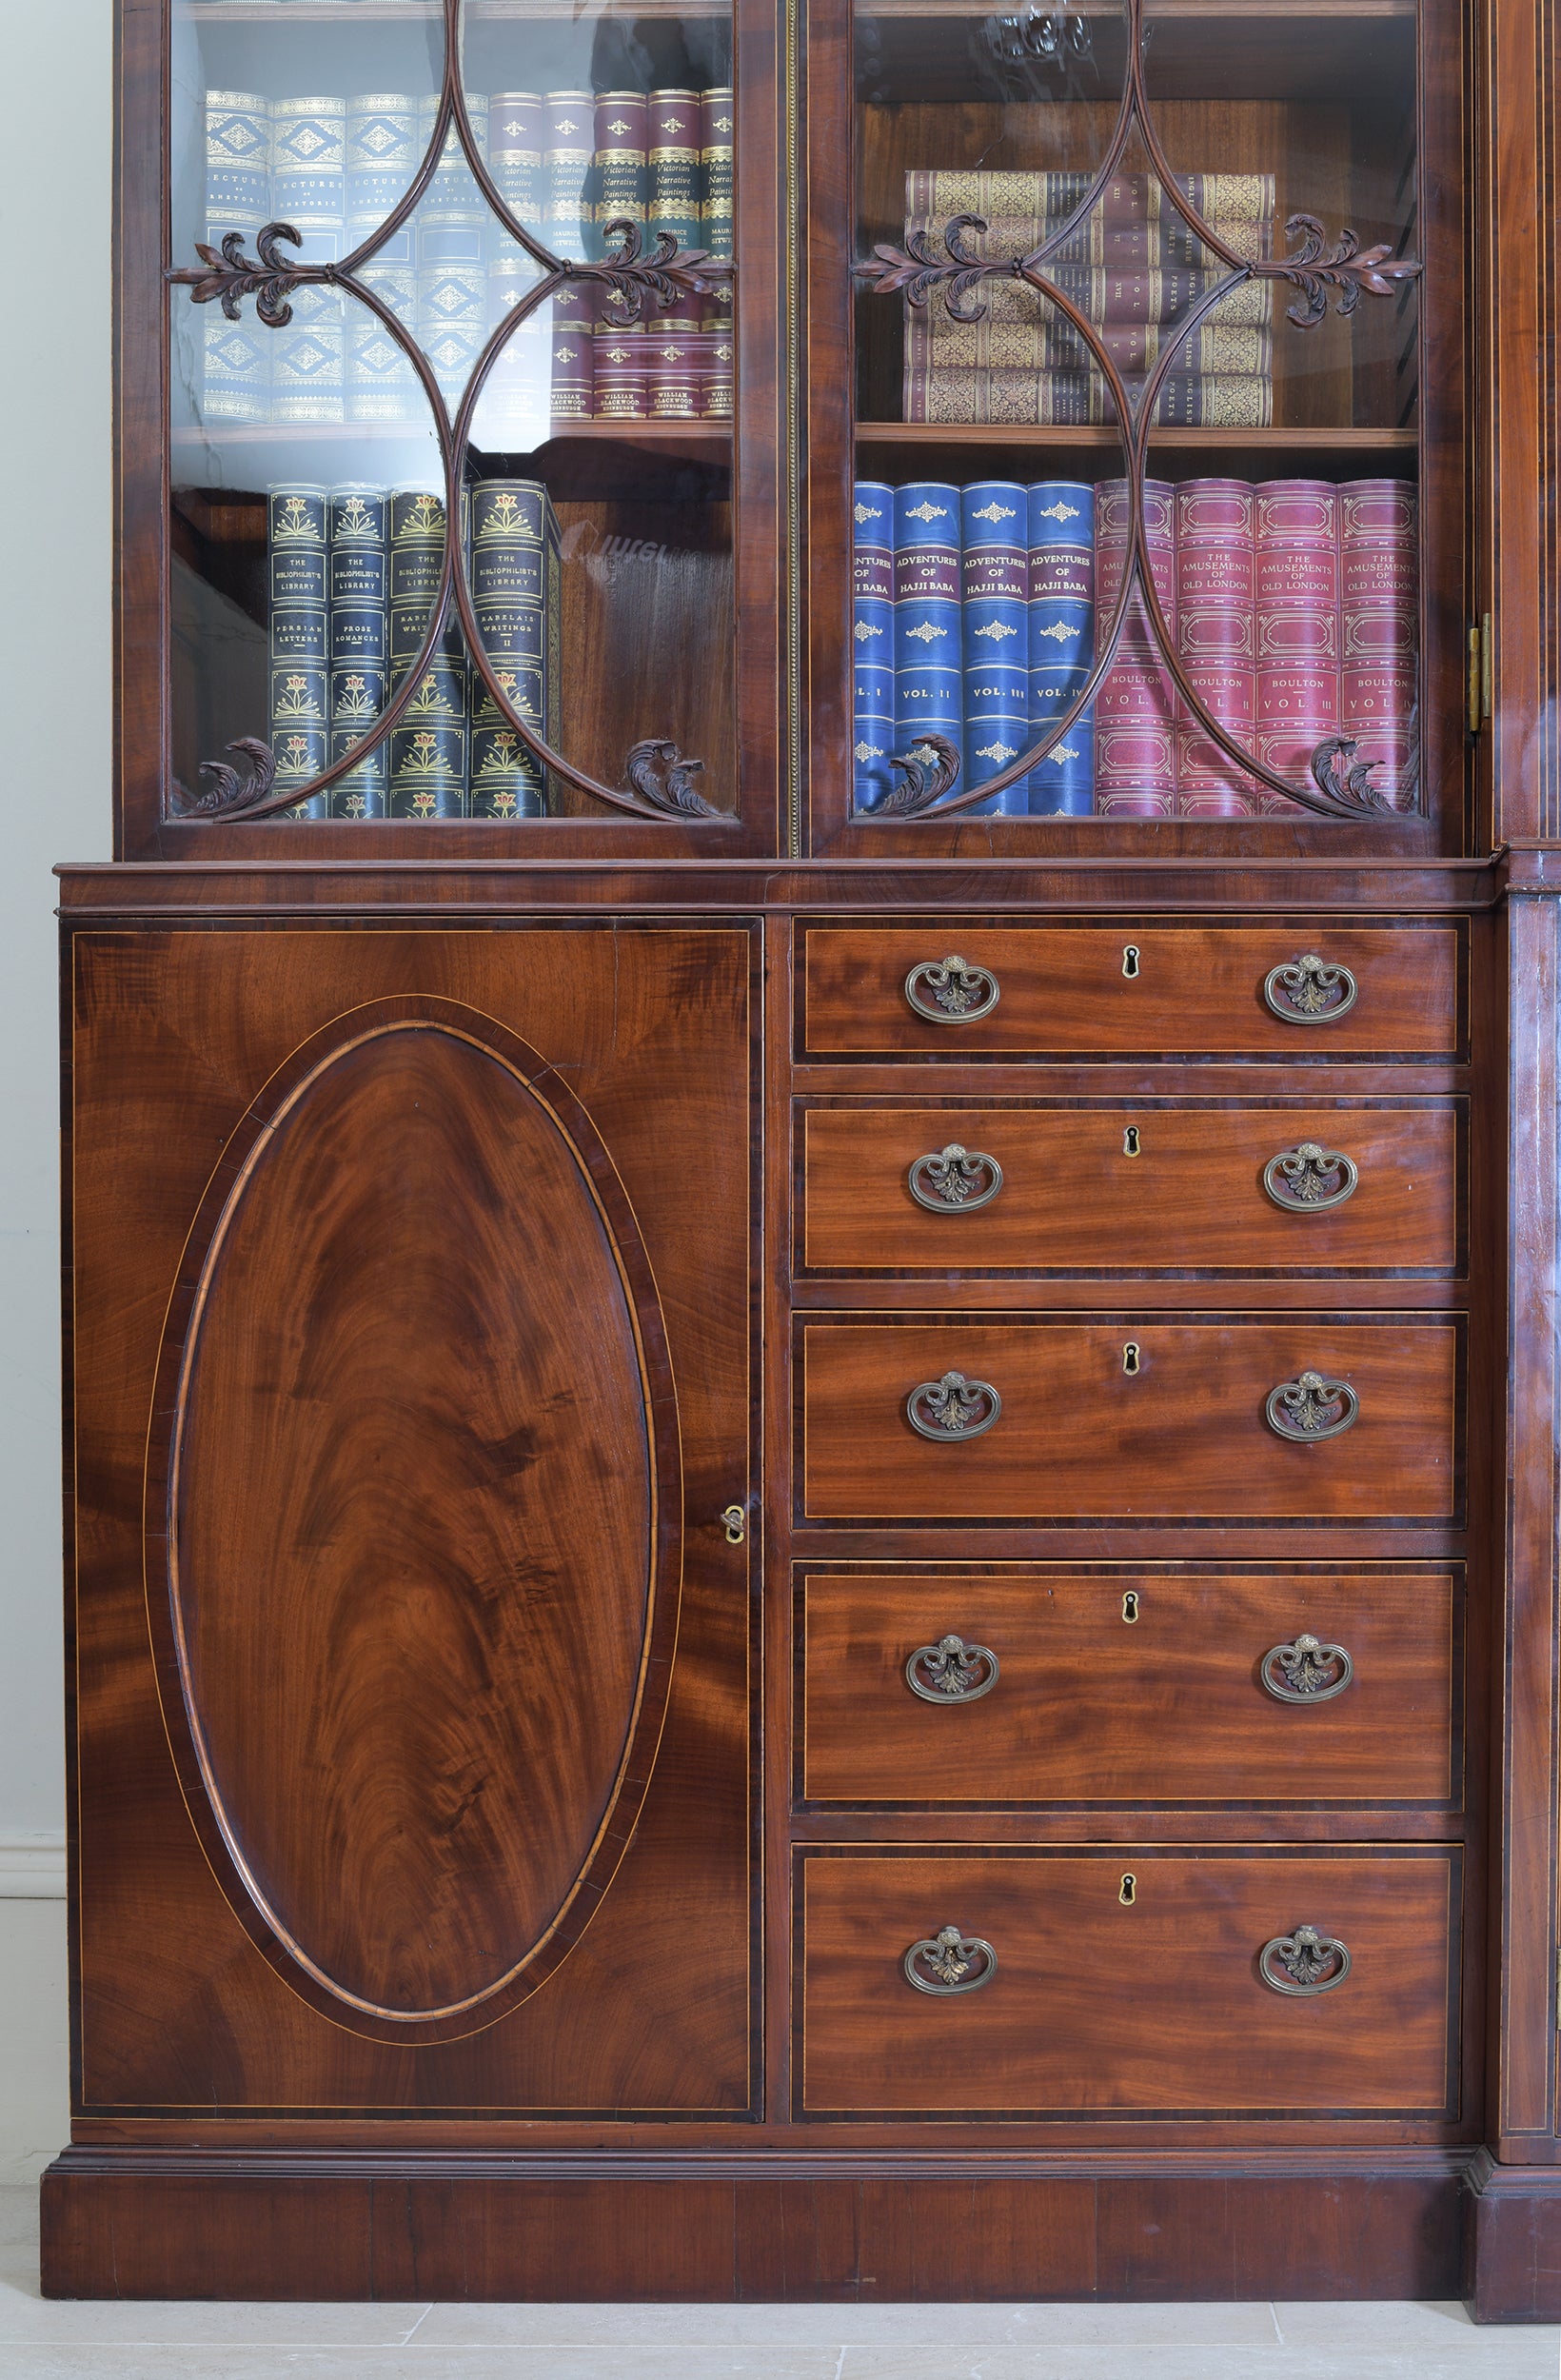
pixel 1131 1358
pixel 1130 1606
pixel 1129 1892
pixel 1130 961
pixel 1130 1142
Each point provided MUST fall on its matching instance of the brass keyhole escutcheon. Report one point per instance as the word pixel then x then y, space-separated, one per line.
pixel 1130 1607
pixel 1131 1358
pixel 734 1520
pixel 1129 1891
pixel 1130 1142
pixel 1130 961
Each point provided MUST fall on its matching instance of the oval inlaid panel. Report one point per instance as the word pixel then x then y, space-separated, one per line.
pixel 414 1520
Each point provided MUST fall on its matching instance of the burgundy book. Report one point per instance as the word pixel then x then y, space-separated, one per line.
pixel 621 372
pixel 1135 705
pixel 717 358
pixel 1297 581
pixel 1215 638
pixel 573 365
pixel 673 369
pixel 1379 594
pixel 622 128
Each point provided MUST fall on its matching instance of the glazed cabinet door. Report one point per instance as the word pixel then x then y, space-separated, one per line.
pixel 413 1465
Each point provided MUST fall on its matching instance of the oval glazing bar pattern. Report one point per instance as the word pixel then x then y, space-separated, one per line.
pixel 1313 268
pixel 658 778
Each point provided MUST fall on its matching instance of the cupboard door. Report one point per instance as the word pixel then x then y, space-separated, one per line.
pixel 389 1280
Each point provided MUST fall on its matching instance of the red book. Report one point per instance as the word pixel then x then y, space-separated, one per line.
pixel 620 373
pixel 717 357
pixel 1135 705
pixel 1379 592
pixel 1216 639
pixel 673 369
pixel 574 368
pixel 1298 616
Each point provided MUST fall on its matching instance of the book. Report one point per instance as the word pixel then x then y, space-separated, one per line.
pixel 872 642
pixel 993 594
pixel 298 546
pixel 515 564
pixel 621 375
pixel 718 122
pixel 1050 344
pixel 382 156
pixel 1135 705
pixel 1032 398
pixel 1297 626
pixel 452 219
pixel 1379 595
pixel 717 372
pixel 675 153
pixel 1215 640
pixel 235 361
pixel 357 642
pixel 308 191
pixel 569 135
pixel 623 130
pixel 428 765
pixel 933 195
pixel 1060 530
pixel 928 644
pixel 672 370
pixel 573 363
pixel 517 138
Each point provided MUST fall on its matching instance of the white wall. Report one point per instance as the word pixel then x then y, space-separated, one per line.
pixel 55 533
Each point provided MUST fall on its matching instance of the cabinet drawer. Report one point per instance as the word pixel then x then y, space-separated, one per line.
pixel 1159 2006
pixel 1130 1188
pixel 1062 989
pixel 1078 1436
pixel 1134 1686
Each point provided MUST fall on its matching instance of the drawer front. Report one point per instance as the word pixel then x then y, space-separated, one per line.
pixel 1183 1434
pixel 1134 1686
pixel 1063 990
pixel 1135 1189
pixel 1156 2006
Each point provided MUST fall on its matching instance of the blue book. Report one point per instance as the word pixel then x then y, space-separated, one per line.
pixel 1061 610
pixel 357 578
pixel 514 563
pixel 994 585
pixel 451 217
pixel 929 696
pixel 298 570
pixel 872 642
pixel 382 156
pixel 308 191
pixel 237 356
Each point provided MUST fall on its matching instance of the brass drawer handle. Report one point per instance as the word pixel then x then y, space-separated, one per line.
pixel 952 1407
pixel 955 1181
pixel 950 1671
pixel 941 1964
pixel 950 991
pixel 1306 1671
pixel 1311 1409
pixel 1307 1962
pixel 1308 1179
pixel 1310 991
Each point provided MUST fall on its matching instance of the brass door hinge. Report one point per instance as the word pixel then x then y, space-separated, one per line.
pixel 1478 685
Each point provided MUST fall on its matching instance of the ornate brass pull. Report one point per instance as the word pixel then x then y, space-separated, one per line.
pixel 950 991
pixel 1308 1179
pixel 1304 1963
pixel 952 1407
pixel 1309 990
pixel 950 1671
pixel 1306 1671
pixel 1311 1408
pixel 942 1963
pixel 734 1520
pixel 956 1181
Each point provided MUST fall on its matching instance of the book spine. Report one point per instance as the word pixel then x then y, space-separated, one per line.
pixel 572 356
pixel 1297 580
pixel 571 132
pixel 673 363
pixel 516 150
pixel 718 159
pixel 236 357
pixel 928 646
pixel 993 594
pixel 1379 591
pixel 509 526
pixel 359 581
pixel 308 188
pixel 452 219
pixel 718 376
pixel 676 140
pixel 1030 397
pixel 1215 638
pixel 622 132
pixel 621 359
pixel 1060 605
pixel 1161 245
pixel 1135 707
pixel 872 641
pixel 933 198
pixel 298 551
pixel 428 742
pixel 382 156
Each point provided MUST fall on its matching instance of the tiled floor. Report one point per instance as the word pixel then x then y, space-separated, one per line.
pixel 179 2342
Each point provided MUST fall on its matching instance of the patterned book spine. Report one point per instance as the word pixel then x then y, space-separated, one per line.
pixel 515 404
pixel 1297 582
pixel 873 641
pixel 570 133
pixel 1042 340
pixel 673 368
pixel 516 152
pixel 1136 244
pixel 994 590
pixel 309 189
pixel 1217 638
pixel 572 356
pixel 514 548
pixel 1048 398
pixel 621 367
pixel 1061 531
pixel 718 373
pixel 452 219
pixel 928 654
pixel 236 356
pixel 622 120
pixel 428 743
pixel 717 125
pixel 1135 708
pixel 1045 199
pixel 298 559
pixel 382 157
pixel 1379 602
pixel 359 643
pixel 675 139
